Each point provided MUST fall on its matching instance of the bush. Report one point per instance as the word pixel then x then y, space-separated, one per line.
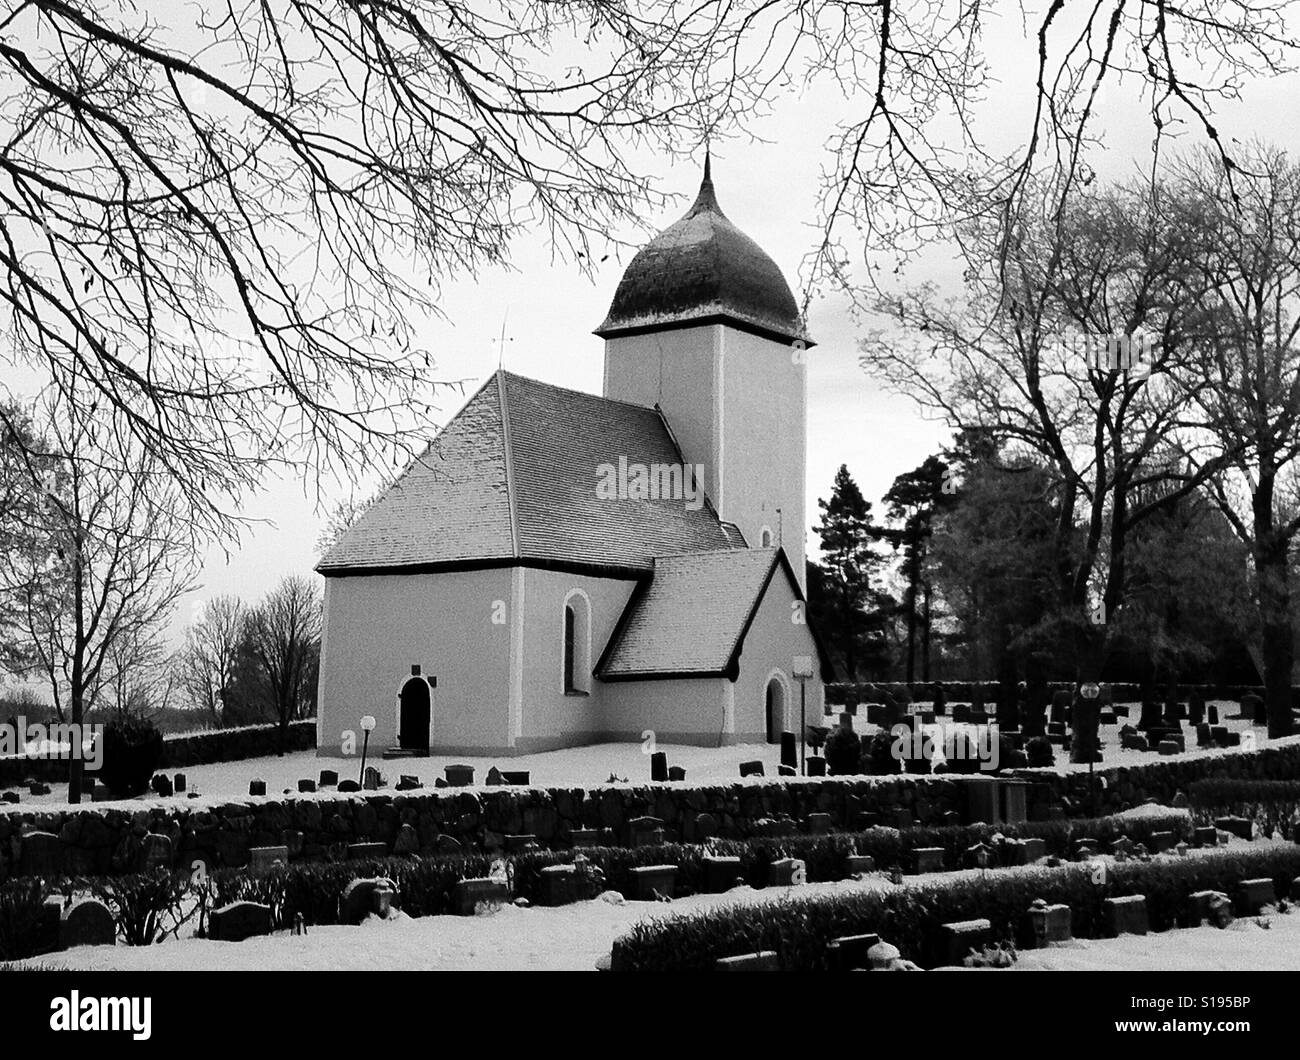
pixel 21 902
pixel 1272 804
pixel 132 753
pixel 842 751
pixel 877 757
pixel 799 930
pixel 147 907
pixel 1039 752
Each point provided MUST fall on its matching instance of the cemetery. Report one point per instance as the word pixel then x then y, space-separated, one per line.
pixel 989 865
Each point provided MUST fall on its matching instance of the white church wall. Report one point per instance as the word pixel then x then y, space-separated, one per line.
pixel 549 717
pixel 676 711
pixel 456 626
pixel 675 370
pixel 764 441
pixel 773 640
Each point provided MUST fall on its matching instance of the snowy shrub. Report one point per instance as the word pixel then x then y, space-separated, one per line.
pixel 842 749
pixel 21 902
pixel 148 906
pixel 133 750
pixel 1039 752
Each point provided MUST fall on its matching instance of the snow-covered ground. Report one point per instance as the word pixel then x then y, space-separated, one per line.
pixel 575 937
pixel 583 767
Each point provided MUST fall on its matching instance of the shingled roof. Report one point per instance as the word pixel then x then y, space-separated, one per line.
pixel 691 617
pixel 700 270
pixel 513 478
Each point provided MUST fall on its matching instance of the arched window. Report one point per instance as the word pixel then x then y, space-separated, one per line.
pixel 765 537
pixel 576 652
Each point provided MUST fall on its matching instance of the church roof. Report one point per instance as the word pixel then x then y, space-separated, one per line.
pixel 691 617
pixel 703 269
pixel 513 478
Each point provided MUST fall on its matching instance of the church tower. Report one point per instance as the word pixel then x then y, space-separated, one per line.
pixel 704 326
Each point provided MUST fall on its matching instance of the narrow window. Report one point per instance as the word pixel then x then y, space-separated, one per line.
pixel 570 622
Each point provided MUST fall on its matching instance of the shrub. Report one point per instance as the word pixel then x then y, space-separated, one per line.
pixel 132 753
pixel 800 929
pixel 877 755
pixel 21 902
pixel 147 907
pixel 1039 752
pixel 1273 804
pixel 842 751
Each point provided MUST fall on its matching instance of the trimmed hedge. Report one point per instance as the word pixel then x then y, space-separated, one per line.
pixel 1270 803
pixel 800 929
pixel 839 692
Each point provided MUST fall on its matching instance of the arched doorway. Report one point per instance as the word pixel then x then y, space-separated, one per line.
pixel 414 708
pixel 775 696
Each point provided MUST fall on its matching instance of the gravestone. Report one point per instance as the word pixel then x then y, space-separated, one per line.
pixel 677 773
pixel 1238 826
pixel 88 922
pixel 1121 847
pixel 816 766
pixel 849 952
pixel 1207 836
pixel 1203 736
pixel 883 956
pixel 1050 923
pixel 155 852
pixel 1035 848
pixel 408 782
pixel 36 787
pixel 407 840
pixel 650 882
pixel 819 823
pixel 348 786
pixel 787 872
pixel 329 778
pixel 372 781
pixel 751 769
pixel 238 921
pixel 41 854
pixel 517 844
pixel 1162 841
pixel 493 778
pixel 1169 747
pixel 162 786
pixel 720 872
pixel 979 856
pixel 762 961
pixel 1151 717
pixel 366 898
pixel 659 766
pixel 1253 895
pixel 558 884
pixel 470 894
pixel 257 787
pixel 1213 906
pixel 1212 712
pixel 1232 739
pixel 367 850
pixel 958 939
pixel 1124 916
pixel 928 859
pixel 786 771
pixel 645 832
pixel 789 750
pixel 584 837
pixel 859 864
pixel 178 782
pixel 1195 708
pixel 263 859
pixel 306 786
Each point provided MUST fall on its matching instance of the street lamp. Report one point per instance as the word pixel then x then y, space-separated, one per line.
pixel 367 727
pixel 802 668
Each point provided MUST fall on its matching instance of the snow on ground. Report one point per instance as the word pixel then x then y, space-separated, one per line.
pixel 580 767
pixel 574 937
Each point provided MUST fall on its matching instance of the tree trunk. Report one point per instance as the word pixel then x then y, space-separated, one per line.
pixel 1273 578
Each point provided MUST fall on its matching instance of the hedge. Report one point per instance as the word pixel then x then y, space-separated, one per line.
pixel 964 691
pixel 800 928
pixel 1273 804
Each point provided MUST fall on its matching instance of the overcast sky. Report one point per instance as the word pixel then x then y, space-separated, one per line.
pixel 768 189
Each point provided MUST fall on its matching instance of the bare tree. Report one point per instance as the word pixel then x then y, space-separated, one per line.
pixel 123 553
pixel 1248 221
pixel 283 638
pixel 205 664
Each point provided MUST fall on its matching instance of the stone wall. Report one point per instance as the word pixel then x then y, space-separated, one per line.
pixel 122 837
pixel 180 750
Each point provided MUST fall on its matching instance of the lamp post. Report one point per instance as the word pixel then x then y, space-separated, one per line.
pixel 367 727
pixel 802 668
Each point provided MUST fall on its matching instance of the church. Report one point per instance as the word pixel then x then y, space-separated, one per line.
pixel 560 569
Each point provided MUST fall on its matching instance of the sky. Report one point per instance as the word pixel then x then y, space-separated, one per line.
pixel 767 186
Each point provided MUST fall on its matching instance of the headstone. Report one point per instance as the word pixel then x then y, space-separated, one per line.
pixel 372 781
pixel 882 956
pixel 365 898
pixel 348 786
pixel 238 921
pixel 88 922
pixel 676 774
pixel 1238 826
pixel 367 850
pixel 409 782
pixel 41 854
pixel 162 786
pixel 1203 736
pixel 645 831
pixel 706 825
pixel 787 872
pixel 1232 739
pixel 1162 841
pixel 469 895
pixel 849 952
pixel 786 771
pixel 263 859
pixel 1035 848
pixel 819 823
pixel 979 856
pixel 10 797
pixel 720 872
pixel 1212 712
pixel 789 750
pixel 585 837
pixel 1121 847
pixel 928 859
pixel 762 961
pixel 407 840
pixel 1213 906
pixel 1208 836
pixel 558 884
pixel 652 882
pixel 816 766
pixel 517 844
pixel 659 766
pixel 329 778
pixel 516 777
pixel 1124 916
pixel 959 938
pixel 155 852
pixel 1253 895
pixel 1050 923
pixel 306 786
pixel 859 864
pixel 751 769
